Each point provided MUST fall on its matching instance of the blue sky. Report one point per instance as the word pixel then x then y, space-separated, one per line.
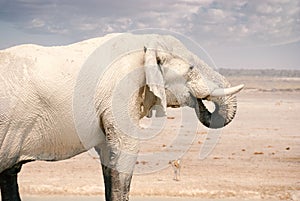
pixel 236 33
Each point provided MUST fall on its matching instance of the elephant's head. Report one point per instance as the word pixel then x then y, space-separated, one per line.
pixel 179 78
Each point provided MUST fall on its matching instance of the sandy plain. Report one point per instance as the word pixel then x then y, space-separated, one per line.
pixel 257 156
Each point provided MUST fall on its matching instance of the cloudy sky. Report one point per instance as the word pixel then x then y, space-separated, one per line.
pixel 235 33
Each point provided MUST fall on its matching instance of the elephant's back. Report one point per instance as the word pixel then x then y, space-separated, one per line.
pixel 50 62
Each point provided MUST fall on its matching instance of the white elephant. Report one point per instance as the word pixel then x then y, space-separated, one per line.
pixel 37 103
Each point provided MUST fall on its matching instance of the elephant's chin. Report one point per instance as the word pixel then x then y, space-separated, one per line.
pixel 225 109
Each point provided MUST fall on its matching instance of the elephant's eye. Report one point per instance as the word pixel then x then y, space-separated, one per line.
pixel 158 60
pixel 191 67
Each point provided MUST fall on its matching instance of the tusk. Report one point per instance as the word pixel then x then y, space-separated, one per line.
pixel 226 91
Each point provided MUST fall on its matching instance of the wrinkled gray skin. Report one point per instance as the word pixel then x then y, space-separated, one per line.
pixel 36 120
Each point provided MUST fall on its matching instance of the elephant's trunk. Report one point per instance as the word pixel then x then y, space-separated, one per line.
pixel 225 109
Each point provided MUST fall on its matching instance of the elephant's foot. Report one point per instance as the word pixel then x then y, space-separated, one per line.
pixel 9 184
pixel 117 184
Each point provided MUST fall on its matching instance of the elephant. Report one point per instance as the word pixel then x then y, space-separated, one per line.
pixel 37 102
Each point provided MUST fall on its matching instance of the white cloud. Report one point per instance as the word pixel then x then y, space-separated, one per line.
pixel 236 22
pixel 248 22
pixel 37 23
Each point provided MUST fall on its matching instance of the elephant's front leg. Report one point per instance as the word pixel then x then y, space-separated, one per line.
pixel 117 184
pixel 118 157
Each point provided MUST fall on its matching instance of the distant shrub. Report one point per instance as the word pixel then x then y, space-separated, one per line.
pixel 260 72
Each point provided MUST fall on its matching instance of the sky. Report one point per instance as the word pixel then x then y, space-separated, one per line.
pixel 235 33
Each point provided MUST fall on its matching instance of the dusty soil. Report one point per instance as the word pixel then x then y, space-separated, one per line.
pixel 257 155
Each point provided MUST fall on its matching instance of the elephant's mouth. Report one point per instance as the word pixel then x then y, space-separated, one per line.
pixel 174 106
pixel 224 112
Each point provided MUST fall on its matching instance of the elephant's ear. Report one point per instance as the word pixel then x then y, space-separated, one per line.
pixel 155 82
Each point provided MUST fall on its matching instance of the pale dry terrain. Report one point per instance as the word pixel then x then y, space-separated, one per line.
pixel 257 156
